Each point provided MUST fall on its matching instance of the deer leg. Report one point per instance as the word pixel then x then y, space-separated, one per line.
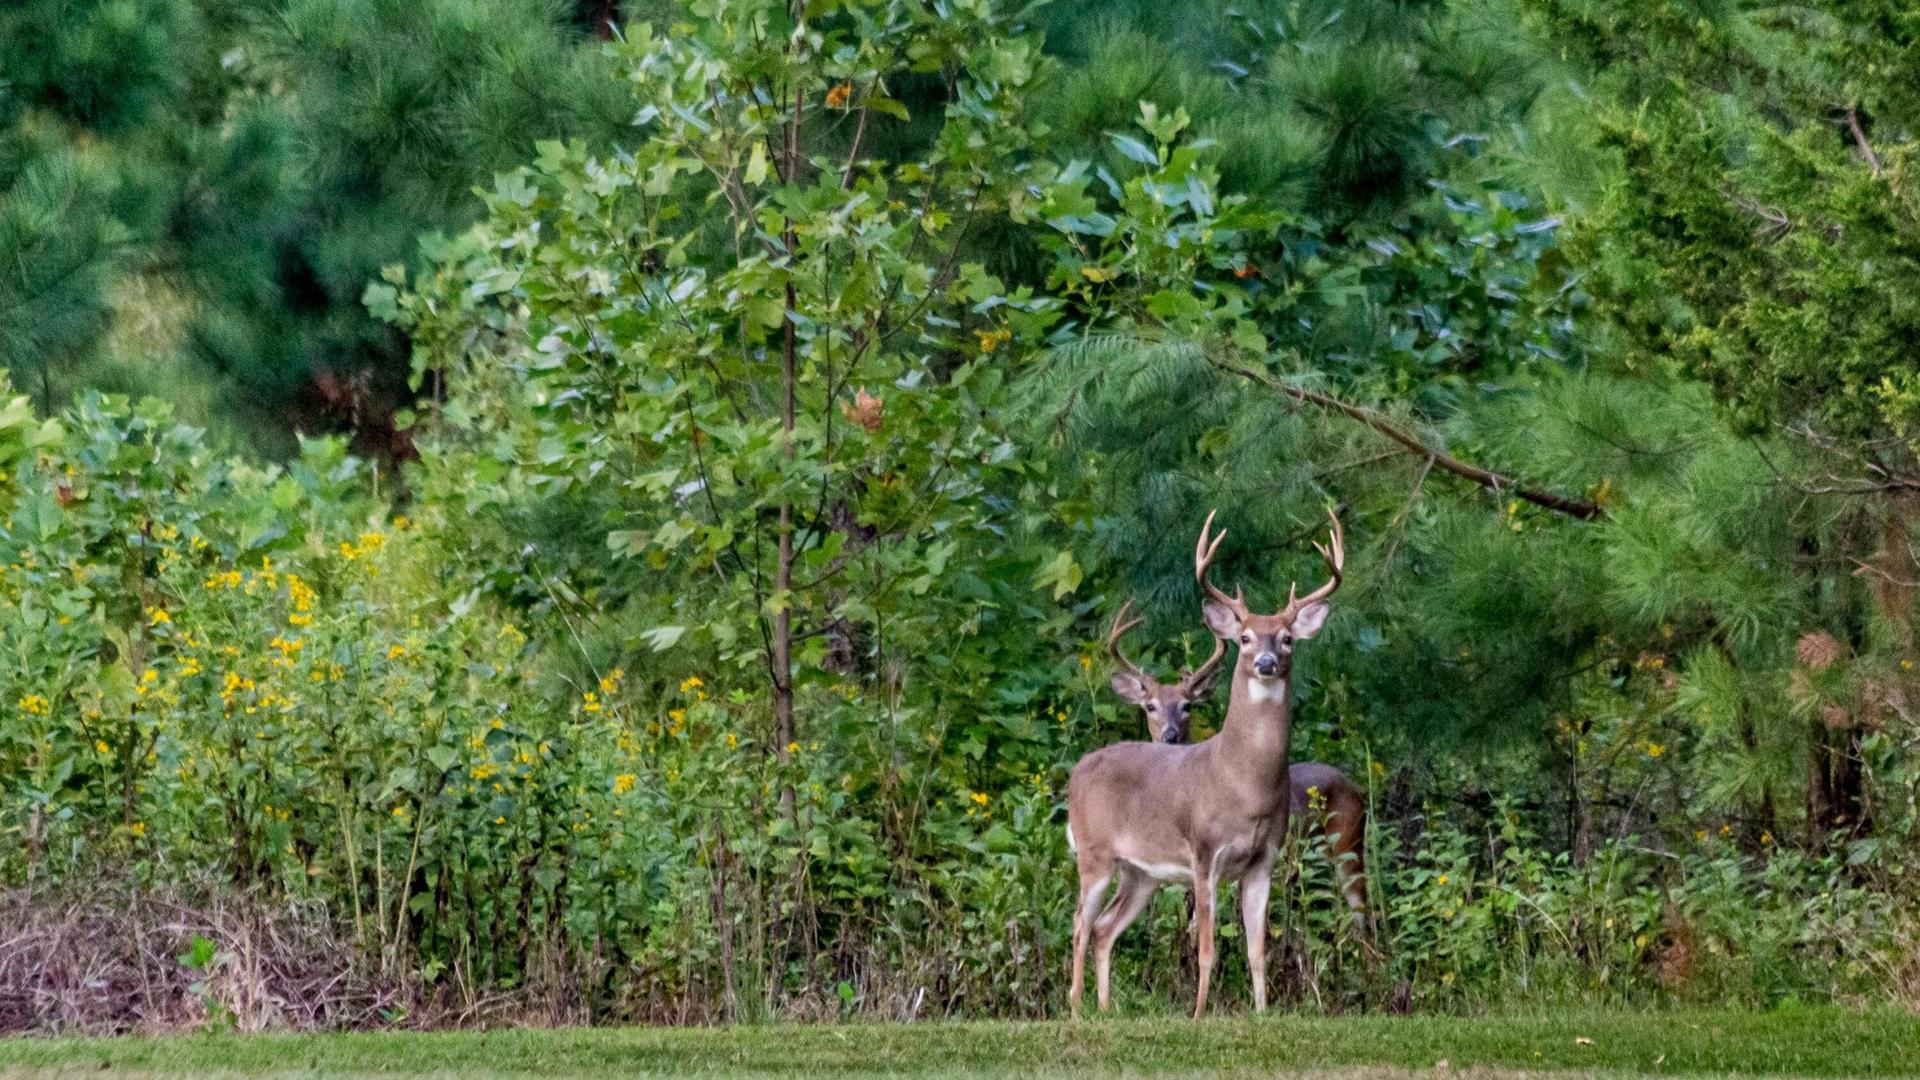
pixel 1253 919
pixel 1132 896
pixel 1205 889
pixel 1093 886
pixel 1346 845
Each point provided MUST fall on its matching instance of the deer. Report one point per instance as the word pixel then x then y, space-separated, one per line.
pixel 1340 821
pixel 1152 813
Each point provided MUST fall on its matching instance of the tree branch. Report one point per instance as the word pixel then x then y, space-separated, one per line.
pixel 1860 140
pixel 1582 509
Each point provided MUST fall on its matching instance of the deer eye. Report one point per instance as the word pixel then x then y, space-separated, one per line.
pixel 1246 638
pixel 1286 639
pixel 1153 706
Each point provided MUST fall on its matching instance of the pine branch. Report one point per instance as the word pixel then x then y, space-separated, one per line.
pixel 1582 509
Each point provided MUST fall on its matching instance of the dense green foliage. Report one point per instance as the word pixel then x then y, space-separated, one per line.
pixel 806 390
pixel 194 193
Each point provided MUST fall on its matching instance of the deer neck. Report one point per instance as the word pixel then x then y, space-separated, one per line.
pixel 1258 722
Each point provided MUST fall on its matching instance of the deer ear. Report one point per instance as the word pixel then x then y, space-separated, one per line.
pixel 1308 622
pixel 1131 688
pixel 1221 620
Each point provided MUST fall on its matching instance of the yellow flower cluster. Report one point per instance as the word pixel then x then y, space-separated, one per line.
pixel 301 595
pixel 369 543
pixel 233 684
pixel 991 340
pixel 35 705
pixel 287 649
pixel 624 783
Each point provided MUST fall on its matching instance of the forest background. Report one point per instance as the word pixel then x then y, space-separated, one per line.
pixel 582 512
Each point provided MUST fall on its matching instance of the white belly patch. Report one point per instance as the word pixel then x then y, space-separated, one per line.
pixel 1163 871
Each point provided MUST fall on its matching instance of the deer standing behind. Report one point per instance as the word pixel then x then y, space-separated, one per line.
pixel 1201 813
pixel 1340 821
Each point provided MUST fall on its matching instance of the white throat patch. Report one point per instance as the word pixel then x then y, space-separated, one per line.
pixel 1260 691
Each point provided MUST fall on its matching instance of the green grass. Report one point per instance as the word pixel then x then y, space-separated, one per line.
pixel 1791 1042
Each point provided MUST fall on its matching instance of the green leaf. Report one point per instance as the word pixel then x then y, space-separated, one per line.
pixel 662 638
pixel 1062 574
pixel 1134 149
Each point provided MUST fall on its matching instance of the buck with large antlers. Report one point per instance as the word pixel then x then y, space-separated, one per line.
pixel 1202 813
pixel 1340 819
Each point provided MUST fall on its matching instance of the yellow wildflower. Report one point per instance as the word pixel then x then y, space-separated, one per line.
pixel 35 705
pixel 1654 749
pixel 793 748
pixel 733 741
pixel 838 96
pixel 157 616
pixel 1442 880
pixel 624 783
pixel 991 340
pixel 101 745
pixel 691 682
pixel 980 797
pixel 589 702
pixel 677 715
pixel 396 652
pixel 139 828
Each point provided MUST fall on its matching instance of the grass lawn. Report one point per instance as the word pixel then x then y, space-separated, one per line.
pixel 1795 1042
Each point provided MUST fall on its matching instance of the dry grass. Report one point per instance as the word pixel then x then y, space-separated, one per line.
pixel 106 959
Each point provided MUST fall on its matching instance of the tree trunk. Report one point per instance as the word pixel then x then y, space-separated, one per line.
pixel 783 729
pixel 601 16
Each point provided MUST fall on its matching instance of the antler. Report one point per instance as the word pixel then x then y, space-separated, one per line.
pixel 1119 630
pixel 1200 674
pixel 1335 558
pixel 1203 558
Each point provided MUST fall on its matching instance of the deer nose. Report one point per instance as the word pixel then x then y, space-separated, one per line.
pixel 1266 664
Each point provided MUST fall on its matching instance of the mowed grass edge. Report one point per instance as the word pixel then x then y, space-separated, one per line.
pixel 1792 1042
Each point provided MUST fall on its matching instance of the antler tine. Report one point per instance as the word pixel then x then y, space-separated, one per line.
pixel 1335 555
pixel 1199 675
pixel 1203 553
pixel 1120 627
